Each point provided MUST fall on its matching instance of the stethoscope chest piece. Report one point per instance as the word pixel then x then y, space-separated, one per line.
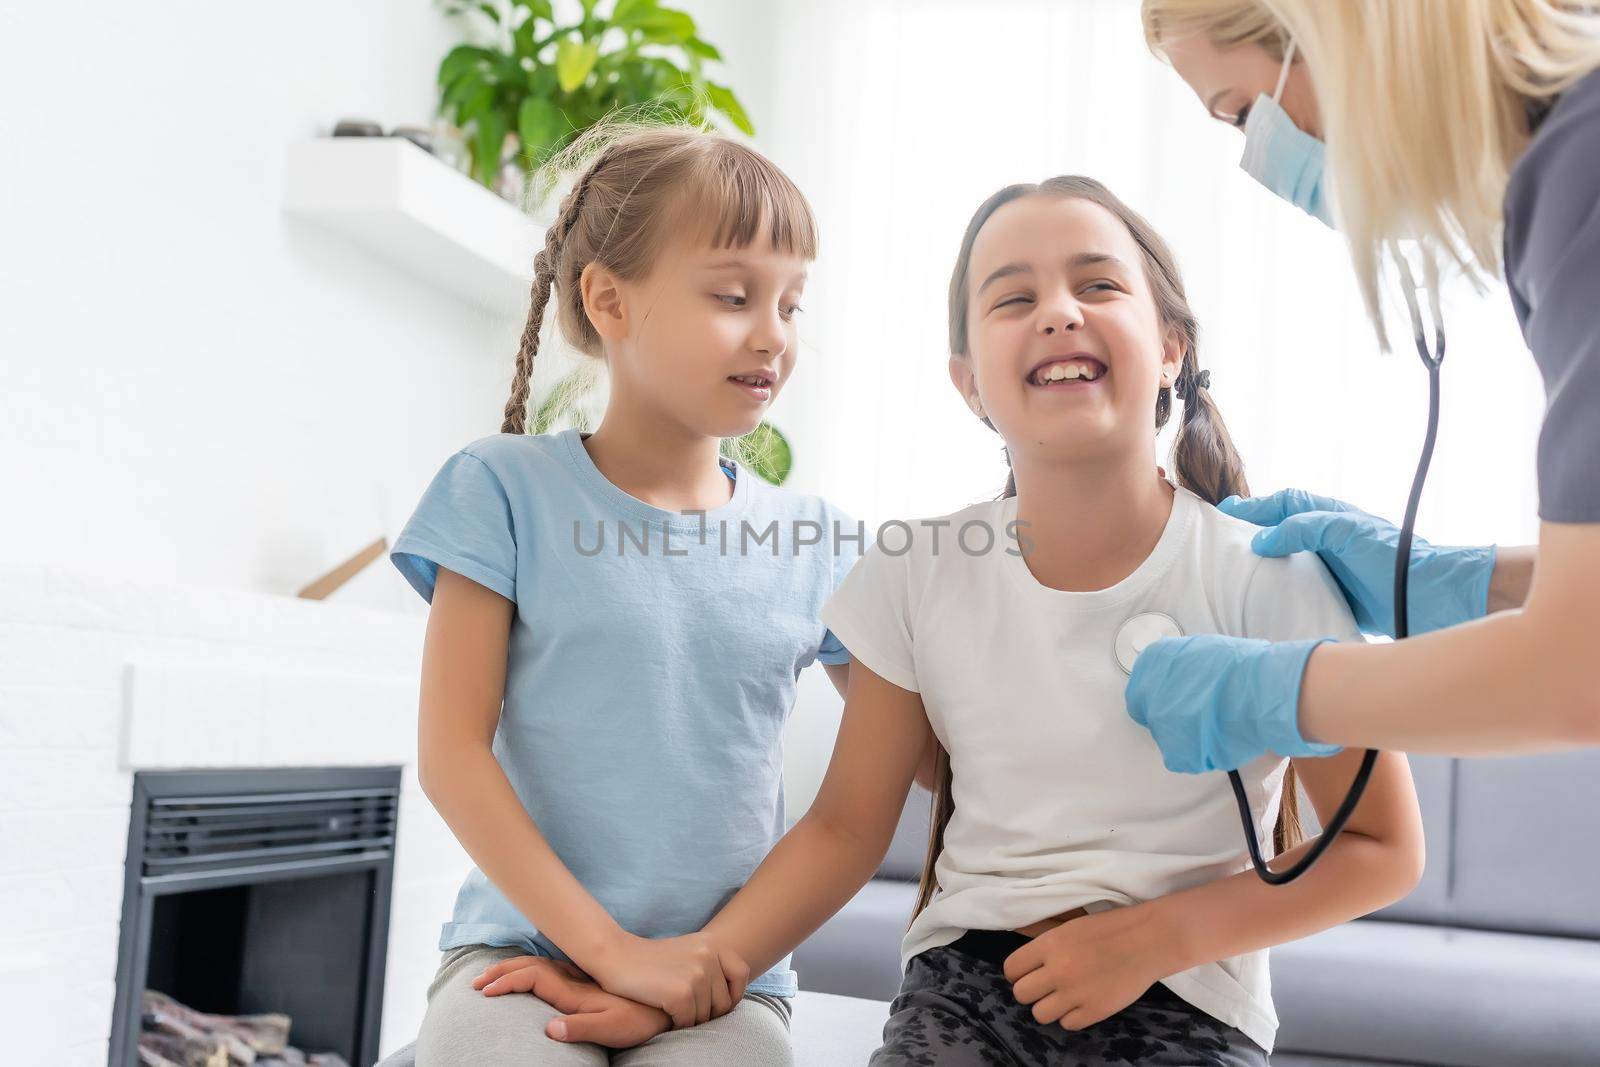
pixel 1139 633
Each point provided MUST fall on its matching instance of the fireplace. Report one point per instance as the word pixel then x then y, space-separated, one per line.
pixel 260 891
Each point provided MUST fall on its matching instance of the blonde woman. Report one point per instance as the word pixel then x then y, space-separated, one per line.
pixel 1473 127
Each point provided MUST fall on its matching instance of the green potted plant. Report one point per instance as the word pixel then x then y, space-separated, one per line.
pixel 542 81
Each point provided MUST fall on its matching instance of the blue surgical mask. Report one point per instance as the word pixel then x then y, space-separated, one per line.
pixel 1283 157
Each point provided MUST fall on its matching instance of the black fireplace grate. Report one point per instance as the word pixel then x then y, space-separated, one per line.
pixel 255 890
pixel 199 833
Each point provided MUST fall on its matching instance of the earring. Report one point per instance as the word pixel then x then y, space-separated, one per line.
pixel 976 405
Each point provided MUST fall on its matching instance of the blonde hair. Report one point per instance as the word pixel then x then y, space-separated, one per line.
pixel 636 186
pixel 1203 455
pixel 1470 71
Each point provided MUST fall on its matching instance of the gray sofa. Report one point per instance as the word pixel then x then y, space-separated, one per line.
pixel 1494 960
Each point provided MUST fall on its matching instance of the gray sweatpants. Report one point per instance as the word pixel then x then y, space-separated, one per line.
pixel 464 1028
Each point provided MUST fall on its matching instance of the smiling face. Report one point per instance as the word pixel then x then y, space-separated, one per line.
pixel 1228 80
pixel 1066 351
pixel 707 336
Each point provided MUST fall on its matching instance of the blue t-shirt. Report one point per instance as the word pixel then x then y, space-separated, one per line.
pixel 652 663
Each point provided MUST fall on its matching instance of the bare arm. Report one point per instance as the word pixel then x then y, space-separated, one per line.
pixel 1517 681
pixel 463 681
pixel 1376 860
pixel 839 674
pixel 833 850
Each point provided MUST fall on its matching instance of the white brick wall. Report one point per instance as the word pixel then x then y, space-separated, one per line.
pixel 99 678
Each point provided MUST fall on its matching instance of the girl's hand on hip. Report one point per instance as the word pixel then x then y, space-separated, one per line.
pixel 1088 969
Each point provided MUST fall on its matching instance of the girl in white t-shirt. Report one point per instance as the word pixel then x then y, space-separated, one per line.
pixel 1081 902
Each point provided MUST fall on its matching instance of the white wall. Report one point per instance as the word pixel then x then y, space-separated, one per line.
pixel 198 390
pixel 102 677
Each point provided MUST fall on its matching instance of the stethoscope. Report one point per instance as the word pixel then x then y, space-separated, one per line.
pixel 1144 629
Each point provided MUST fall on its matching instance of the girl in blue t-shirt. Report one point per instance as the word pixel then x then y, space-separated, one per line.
pixel 618 622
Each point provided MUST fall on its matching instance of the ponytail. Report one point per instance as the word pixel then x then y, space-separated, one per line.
pixel 1207 464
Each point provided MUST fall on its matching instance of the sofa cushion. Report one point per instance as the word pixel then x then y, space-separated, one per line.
pixel 1523 857
pixel 1423 994
pixel 1498 833
pixel 857 952
pixel 832 1031
pixel 909 848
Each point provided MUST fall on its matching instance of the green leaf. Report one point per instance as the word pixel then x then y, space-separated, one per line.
pixel 766 451
pixel 489 9
pixel 459 91
pixel 630 9
pixel 488 145
pixel 542 127
pixel 723 100
pixel 703 49
pixel 538 9
pixel 574 61
pixel 662 26
pixel 477 99
pixel 463 58
pixel 542 81
pixel 560 409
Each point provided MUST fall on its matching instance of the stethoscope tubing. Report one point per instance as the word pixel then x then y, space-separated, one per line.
pixel 1402 571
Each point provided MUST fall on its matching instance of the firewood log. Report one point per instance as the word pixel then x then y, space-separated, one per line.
pixel 246 1034
pixel 184 1051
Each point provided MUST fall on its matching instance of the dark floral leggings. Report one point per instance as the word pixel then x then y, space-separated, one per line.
pixel 957 1010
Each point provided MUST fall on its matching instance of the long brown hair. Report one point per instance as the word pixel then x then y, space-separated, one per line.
pixel 1203 455
pixel 637 186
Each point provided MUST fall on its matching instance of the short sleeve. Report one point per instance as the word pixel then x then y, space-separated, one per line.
pixel 463 523
pixel 848 540
pixel 1294 598
pixel 1553 268
pixel 870 615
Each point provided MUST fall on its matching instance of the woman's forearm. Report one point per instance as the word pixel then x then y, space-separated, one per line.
pixel 1511 578
pixel 808 876
pixel 1498 686
pixel 476 800
pixel 1357 875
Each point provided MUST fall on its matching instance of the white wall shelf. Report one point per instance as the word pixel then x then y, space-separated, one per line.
pixel 416 211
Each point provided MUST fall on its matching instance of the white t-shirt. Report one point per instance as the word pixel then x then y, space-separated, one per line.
pixel 1061 800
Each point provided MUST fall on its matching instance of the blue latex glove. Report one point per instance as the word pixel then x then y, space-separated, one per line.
pixel 1448 586
pixel 1215 703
